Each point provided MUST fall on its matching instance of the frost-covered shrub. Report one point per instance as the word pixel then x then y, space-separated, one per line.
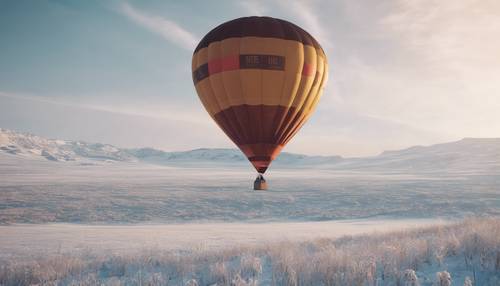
pixel 250 266
pixel 467 281
pixel 238 281
pixel 156 279
pixel 410 278
pixel 113 267
pixel 192 282
pixel 220 273
pixel 443 278
pixel 284 274
pixel 115 281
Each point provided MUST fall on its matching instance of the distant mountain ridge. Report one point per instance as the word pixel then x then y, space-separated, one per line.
pixel 32 146
pixel 29 145
pixel 466 155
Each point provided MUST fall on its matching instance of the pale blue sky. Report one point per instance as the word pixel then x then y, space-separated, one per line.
pixel 402 72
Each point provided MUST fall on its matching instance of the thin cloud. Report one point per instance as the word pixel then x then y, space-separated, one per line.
pixel 305 12
pixel 168 29
pixel 152 111
pixel 455 52
pixel 254 8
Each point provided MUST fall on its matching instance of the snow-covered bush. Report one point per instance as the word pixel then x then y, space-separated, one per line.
pixel 192 282
pixel 467 281
pixel 220 273
pixel 238 281
pixel 410 278
pixel 443 278
pixel 250 266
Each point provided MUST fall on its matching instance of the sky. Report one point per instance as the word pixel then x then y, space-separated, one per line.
pixel 402 73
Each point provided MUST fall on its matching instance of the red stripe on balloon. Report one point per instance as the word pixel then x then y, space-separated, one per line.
pixel 308 70
pixel 223 64
pixel 231 63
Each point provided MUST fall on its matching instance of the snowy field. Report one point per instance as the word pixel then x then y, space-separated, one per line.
pixel 20 241
pixel 45 192
pixel 466 253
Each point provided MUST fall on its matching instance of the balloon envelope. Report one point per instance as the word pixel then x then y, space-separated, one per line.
pixel 260 79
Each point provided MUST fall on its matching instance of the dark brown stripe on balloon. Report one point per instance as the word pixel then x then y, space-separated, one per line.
pixel 200 73
pixel 289 122
pixel 259 130
pixel 259 122
pixel 265 27
pixel 260 158
pixel 261 170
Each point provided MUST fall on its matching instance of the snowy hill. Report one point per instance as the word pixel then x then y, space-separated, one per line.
pixel 35 147
pixel 467 155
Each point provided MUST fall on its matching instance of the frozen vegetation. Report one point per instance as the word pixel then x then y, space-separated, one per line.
pixel 466 253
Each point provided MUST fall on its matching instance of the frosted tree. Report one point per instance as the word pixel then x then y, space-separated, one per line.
pixel 443 278
pixel 467 281
pixel 410 278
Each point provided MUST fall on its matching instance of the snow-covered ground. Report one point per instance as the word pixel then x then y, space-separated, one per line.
pixel 28 240
pixel 42 191
pixel 440 255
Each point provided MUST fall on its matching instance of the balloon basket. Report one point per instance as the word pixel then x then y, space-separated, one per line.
pixel 260 183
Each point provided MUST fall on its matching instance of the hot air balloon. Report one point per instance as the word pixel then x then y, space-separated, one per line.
pixel 260 79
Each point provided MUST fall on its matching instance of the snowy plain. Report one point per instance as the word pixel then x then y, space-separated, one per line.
pixel 36 191
pixel 87 214
pixel 27 240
